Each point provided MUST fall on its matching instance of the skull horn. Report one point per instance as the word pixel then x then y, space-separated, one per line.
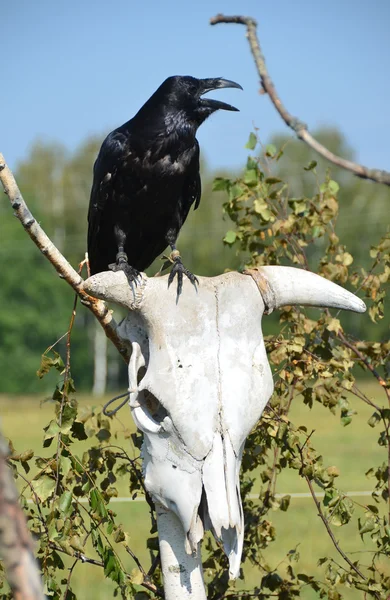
pixel 283 286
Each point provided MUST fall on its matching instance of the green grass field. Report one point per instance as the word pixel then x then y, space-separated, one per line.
pixel 352 449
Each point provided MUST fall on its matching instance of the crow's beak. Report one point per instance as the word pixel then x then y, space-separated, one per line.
pixel 217 83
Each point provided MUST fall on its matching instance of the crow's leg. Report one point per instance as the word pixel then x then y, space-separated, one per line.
pixel 121 261
pixel 179 270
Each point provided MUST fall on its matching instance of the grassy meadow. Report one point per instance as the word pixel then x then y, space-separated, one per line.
pixel 353 449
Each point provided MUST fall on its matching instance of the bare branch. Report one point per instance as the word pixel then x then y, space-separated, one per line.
pixel 16 546
pixel 294 123
pixel 59 262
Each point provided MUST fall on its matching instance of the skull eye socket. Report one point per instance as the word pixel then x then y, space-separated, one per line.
pixel 150 413
pixel 153 407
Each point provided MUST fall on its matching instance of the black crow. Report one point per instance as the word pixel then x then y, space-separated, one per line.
pixel 146 178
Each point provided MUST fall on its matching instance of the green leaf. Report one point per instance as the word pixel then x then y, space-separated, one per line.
pixel 252 141
pixel 66 465
pixel 334 325
pixel 44 487
pixel 136 576
pixel 65 502
pixel 221 184
pixel 285 502
pixel 368 525
pixel 270 150
pixel 97 503
pixel 112 568
pixel 97 541
pixel 78 431
pixel 251 177
pixel 272 180
pixel 346 259
pixel 374 419
pixel 261 208
pixel 48 363
pixel 298 205
pixel 251 163
pixel 51 431
pixel 333 471
pixel 312 165
pixel 346 419
pixel 230 237
pixel 259 205
pixel 69 413
pixel 317 232
pixel 25 466
pixel 236 191
pixel 333 186
pixel 76 543
pixel 23 456
pixel 103 435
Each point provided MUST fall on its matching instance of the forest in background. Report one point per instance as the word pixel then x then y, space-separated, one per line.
pixel 36 304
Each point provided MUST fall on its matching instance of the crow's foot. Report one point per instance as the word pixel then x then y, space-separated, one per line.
pixel 131 273
pixel 180 270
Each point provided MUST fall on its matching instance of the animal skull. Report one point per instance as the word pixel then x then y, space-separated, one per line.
pixel 199 380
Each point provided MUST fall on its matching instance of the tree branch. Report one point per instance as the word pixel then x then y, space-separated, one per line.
pixel 325 522
pixel 16 545
pixel 59 262
pixel 294 123
pixel 366 362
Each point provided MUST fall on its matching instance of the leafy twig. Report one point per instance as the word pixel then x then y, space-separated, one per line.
pixel 65 395
pixel 364 360
pixel 294 123
pixel 325 522
pixel 98 563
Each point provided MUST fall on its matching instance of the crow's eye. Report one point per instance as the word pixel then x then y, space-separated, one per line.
pixel 192 88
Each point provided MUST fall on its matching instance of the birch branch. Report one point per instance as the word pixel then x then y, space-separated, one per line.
pixel 16 545
pixel 59 262
pixel 294 123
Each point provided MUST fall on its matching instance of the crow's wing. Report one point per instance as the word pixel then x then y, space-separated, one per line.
pixel 192 188
pixel 113 151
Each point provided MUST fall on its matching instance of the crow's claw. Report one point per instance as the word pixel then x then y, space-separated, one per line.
pixel 133 276
pixel 180 270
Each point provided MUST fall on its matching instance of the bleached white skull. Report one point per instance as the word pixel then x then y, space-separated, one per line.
pixel 199 380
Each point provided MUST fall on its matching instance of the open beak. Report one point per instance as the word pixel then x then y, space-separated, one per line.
pixel 217 83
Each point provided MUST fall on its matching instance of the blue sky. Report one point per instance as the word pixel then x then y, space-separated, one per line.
pixel 72 69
